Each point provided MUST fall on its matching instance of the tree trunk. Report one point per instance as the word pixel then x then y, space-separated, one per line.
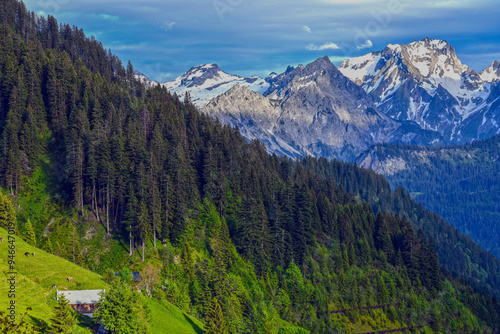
pixel 143 244
pixel 107 208
pixel 130 238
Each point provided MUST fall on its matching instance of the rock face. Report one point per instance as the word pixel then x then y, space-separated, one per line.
pixel 254 115
pixel 419 94
pixel 313 110
pixel 426 83
pixel 204 82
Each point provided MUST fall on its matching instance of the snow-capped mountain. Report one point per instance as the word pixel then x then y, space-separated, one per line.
pixel 426 83
pixel 491 73
pixel 311 110
pixel 205 82
pixel 419 93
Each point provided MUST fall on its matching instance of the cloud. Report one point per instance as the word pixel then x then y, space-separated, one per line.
pixel 338 59
pixel 368 44
pixel 326 46
pixel 107 17
pixel 167 26
pixel 242 41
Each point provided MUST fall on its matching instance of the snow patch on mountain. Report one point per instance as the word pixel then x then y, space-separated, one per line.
pixel 357 69
pixel 491 73
pixel 207 81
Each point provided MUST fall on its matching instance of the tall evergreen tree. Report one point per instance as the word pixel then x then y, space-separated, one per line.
pixel 122 311
pixel 30 234
pixel 7 212
pixel 214 321
pixel 63 317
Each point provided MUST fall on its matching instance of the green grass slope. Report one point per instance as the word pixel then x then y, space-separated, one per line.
pixel 36 275
pixel 166 318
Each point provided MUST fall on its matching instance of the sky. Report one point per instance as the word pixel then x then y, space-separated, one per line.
pixel 165 38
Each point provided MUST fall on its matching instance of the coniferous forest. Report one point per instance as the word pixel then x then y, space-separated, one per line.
pixel 110 174
pixel 459 182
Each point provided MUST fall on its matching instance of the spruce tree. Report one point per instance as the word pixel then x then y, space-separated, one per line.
pixel 7 213
pixel 122 311
pixel 30 234
pixel 63 317
pixel 215 322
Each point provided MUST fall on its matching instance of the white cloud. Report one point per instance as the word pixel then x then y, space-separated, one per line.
pixel 326 46
pixel 338 59
pixel 167 26
pixel 368 44
pixel 306 28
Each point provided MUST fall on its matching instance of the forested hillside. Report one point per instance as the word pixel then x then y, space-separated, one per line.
pixel 110 174
pixel 461 183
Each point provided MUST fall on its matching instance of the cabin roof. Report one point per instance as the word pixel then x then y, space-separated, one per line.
pixel 77 297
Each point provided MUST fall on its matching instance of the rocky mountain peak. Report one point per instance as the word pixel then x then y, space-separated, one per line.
pixel 198 75
pixel 433 58
pixel 492 72
pixel 322 63
pixel 204 82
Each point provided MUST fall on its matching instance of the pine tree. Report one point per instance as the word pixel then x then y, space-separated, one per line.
pixel 7 213
pixel 225 245
pixel 30 234
pixel 382 236
pixel 215 322
pixel 122 311
pixel 143 225
pixel 63 318
pixel 76 247
pixel 186 260
pixel 130 217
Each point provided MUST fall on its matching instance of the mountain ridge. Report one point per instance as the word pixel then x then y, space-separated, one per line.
pixel 316 110
pixel 426 82
pixel 207 81
pixel 423 82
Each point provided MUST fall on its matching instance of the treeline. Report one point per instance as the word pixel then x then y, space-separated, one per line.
pixel 148 166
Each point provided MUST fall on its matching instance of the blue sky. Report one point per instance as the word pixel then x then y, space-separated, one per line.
pixel 164 38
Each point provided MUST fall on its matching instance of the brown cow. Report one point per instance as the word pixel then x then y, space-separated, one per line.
pixel 69 279
pixel 1 239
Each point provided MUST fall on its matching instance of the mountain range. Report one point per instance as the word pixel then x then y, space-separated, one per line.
pixel 419 93
pixel 426 83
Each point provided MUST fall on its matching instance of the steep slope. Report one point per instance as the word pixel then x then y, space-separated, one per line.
pixel 254 115
pixel 36 275
pixel 425 82
pixel 315 110
pixel 204 82
pixel 459 182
